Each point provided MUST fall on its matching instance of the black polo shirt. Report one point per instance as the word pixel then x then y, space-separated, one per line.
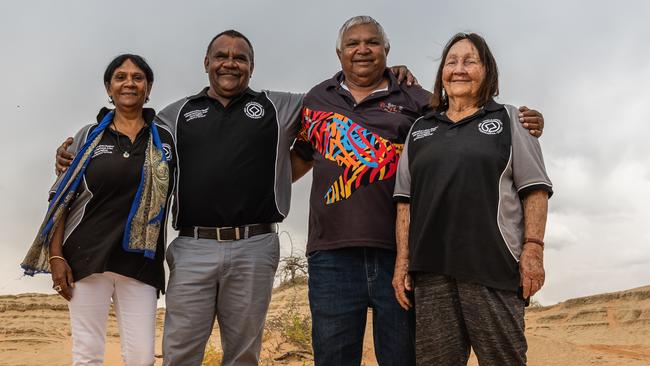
pixel 98 216
pixel 355 148
pixel 465 181
pixel 234 166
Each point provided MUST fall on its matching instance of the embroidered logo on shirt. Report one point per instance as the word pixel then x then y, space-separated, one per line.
pixel 254 110
pixel 168 151
pixel 491 126
pixel 390 107
pixel 103 149
pixel 419 134
pixel 197 113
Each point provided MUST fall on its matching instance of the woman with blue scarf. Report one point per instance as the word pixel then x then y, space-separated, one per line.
pixel 103 237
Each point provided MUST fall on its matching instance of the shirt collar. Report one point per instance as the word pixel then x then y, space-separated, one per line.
pixel 204 94
pixel 147 113
pixel 337 82
pixel 490 106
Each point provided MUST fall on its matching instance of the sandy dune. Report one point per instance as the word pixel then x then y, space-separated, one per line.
pixel 607 329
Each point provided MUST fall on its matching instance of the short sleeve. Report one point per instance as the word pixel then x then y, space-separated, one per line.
pixel 168 116
pixel 302 146
pixel 528 169
pixel 402 192
pixel 288 107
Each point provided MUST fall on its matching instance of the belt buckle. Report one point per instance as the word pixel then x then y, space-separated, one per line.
pixel 237 233
pixel 219 233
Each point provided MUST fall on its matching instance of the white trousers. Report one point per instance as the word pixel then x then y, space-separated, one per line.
pixel 135 308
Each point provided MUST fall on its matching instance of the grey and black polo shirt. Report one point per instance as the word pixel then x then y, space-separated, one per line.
pixel 234 166
pixel 97 217
pixel 355 148
pixel 465 182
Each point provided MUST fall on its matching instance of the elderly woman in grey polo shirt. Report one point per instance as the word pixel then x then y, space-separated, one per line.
pixel 472 196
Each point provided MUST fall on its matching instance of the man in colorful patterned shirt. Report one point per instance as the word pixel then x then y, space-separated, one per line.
pixel 353 130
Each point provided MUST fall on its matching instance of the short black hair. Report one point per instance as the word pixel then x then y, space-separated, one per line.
pixel 490 86
pixel 139 61
pixel 234 34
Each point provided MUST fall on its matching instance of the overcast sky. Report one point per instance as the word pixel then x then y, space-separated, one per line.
pixel 584 64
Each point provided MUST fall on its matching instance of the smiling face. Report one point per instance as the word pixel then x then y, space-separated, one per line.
pixel 463 72
pixel 128 86
pixel 229 67
pixel 363 54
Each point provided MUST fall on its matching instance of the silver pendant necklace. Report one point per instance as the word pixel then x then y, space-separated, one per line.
pixel 125 154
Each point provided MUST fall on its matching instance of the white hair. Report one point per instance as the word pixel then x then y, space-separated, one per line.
pixel 359 20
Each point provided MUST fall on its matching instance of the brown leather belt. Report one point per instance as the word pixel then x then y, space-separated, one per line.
pixel 227 233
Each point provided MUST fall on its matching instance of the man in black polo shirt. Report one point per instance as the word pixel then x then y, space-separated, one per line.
pixel 354 128
pixel 234 186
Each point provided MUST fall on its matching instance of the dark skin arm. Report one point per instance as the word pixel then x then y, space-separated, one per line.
pixel 61 271
pixel 63 157
pixel 402 73
pixel 531 120
pixel 299 166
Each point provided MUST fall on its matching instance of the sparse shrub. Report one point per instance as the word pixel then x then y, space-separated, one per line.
pixel 294 327
pixel 535 304
pixel 292 269
pixel 297 329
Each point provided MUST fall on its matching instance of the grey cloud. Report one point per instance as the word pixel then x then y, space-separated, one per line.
pixel 581 63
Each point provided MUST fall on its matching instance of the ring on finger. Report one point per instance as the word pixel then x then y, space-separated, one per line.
pixel 57 288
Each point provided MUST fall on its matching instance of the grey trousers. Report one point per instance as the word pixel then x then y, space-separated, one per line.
pixel 452 316
pixel 231 281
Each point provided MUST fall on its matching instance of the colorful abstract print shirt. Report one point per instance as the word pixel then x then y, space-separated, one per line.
pixel 365 157
pixel 356 149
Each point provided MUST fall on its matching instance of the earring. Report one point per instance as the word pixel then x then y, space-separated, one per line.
pixel 146 100
pixel 110 99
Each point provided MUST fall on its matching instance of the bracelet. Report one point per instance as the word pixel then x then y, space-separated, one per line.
pixel 58 257
pixel 534 241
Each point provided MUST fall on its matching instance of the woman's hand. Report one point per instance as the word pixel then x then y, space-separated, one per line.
pixel 62 276
pixel 402 282
pixel 531 269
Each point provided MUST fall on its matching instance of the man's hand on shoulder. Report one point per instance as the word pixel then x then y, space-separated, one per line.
pixel 63 157
pixel 402 73
pixel 532 120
